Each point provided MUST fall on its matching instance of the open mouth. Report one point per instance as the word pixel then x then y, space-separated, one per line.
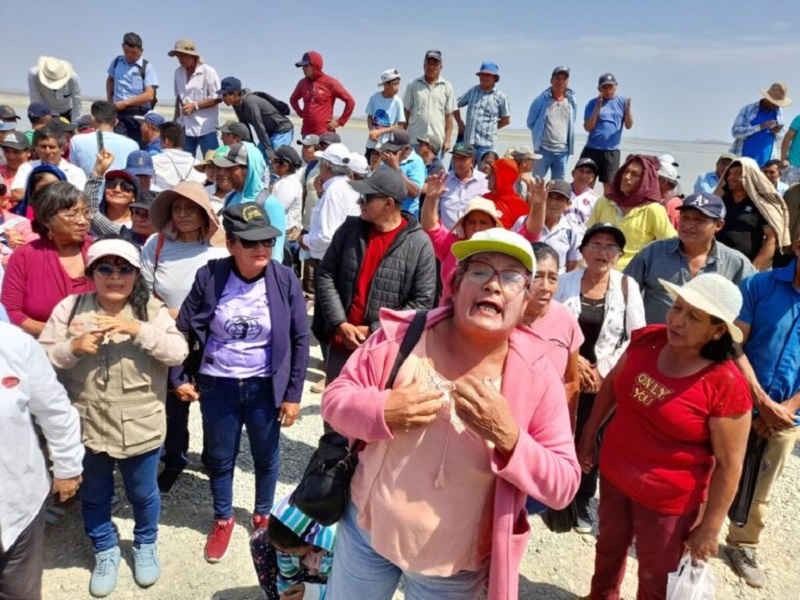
pixel 488 308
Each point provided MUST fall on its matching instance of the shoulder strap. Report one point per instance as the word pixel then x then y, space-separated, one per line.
pixel 160 239
pixel 410 339
pixel 143 70
pixel 624 337
pixel 75 307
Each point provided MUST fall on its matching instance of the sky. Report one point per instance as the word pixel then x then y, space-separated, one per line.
pixel 689 67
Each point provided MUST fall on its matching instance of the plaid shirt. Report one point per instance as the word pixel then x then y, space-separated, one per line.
pixel 742 129
pixel 484 110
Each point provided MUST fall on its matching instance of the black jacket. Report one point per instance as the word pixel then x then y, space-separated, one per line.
pixel 405 279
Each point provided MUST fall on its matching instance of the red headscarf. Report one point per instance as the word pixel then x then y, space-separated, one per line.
pixel 648 190
pixel 507 201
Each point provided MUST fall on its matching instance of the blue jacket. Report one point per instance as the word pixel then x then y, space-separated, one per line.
pixel 287 310
pixel 538 113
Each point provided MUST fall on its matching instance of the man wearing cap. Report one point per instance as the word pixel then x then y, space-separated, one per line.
pixel 707 182
pixel 40 115
pixel 48 145
pixel 17 152
pixel 583 198
pixel 83 147
pixel 318 92
pixel 233 132
pixel 487 111
pixel 462 184
pixel 603 119
pixel 551 119
pixel 54 83
pixel 196 98
pixel 174 165
pixel 759 125
pixel 131 85
pixel 385 112
pixel 140 165
pixel 430 103
pixel 694 251
pixel 253 109
pixel 381 260
pixel 8 116
pixel 150 127
pixel 526 161
pixel 398 154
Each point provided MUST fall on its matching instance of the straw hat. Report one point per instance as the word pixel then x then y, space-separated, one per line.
pixel 184 46
pixel 777 94
pixel 161 209
pixel 481 204
pixel 54 73
pixel 713 294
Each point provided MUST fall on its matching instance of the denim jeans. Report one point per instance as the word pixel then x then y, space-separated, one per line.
pixel 555 162
pixel 139 475
pixel 360 572
pixel 206 142
pixel 226 405
pixel 281 139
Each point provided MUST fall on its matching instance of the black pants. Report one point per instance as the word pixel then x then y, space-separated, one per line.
pixel 176 443
pixel 588 486
pixel 21 566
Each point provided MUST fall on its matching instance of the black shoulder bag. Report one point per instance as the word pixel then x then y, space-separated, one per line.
pixel 323 493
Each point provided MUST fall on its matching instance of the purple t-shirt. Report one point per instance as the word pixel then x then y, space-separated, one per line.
pixel 240 341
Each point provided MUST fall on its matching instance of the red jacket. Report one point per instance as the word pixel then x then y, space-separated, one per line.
pixel 319 95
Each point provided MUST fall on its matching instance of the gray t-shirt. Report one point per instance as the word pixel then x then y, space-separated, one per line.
pixel 556 126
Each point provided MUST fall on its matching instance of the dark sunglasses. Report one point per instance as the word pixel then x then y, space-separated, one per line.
pixel 140 212
pixel 107 270
pixel 125 186
pixel 362 200
pixel 250 244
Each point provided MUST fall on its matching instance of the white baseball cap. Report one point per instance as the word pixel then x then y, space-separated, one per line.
pixel 713 294
pixel 389 75
pixel 358 164
pixel 336 154
pixel 120 248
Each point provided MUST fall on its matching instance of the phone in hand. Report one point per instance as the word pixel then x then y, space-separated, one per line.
pixel 100 144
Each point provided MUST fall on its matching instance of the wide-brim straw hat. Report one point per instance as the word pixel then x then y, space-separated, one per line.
pixel 480 204
pixel 161 209
pixel 778 94
pixel 713 294
pixel 54 73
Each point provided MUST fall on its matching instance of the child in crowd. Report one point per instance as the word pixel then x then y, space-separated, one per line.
pixel 385 111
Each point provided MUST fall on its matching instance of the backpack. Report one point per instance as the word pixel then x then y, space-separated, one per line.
pixel 142 71
pixel 279 105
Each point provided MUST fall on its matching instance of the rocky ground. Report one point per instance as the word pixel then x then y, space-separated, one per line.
pixel 554 567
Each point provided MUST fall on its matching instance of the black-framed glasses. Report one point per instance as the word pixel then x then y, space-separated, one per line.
pixel 107 270
pixel 510 280
pixel 366 199
pixel 250 244
pixel 125 186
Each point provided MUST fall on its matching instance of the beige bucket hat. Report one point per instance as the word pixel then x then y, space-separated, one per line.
pixel 778 94
pixel 161 215
pixel 54 73
pixel 481 204
pixel 713 294
pixel 184 46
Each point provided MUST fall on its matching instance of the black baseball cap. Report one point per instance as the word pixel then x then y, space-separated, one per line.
pixel 588 163
pixel 606 79
pixel 145 200
pixel 559 70
pixel 384 181
pixel 710 205
pixel 248 221
pixel 397 141
pixel 619 237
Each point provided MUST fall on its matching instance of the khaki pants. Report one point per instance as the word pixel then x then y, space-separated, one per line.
pixel 779 449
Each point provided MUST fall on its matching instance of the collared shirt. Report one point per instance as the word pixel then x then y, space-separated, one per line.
pixel 83 150
pixel 537 117
pixel 153 147
pixel 665 260
pixel 427 106
pixel 66 99
pixel 457 195
pixel 74 174
pixel 743 127
pixel 484 110
pixel 128 78
pixel 202 85
pixel 31 391
pixel 706 183
pixel 414 168
pixel 771 307
pixel 338 201
pixel 564 238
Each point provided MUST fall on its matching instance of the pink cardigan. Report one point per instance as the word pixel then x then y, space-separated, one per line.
pixel 543 464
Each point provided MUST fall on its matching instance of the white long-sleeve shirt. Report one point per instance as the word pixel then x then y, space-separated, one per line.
pixel 66 98
pixel 289 192
pixel 338 202
pixel 29 390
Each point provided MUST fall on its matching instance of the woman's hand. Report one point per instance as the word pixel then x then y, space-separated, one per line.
pixel 87 343
pixel 288 413
pixel 102 163
pixel 66 488
pixel 587 448
pixel 14 238
pixel 703 542
pixel 408 408
pixel 590 379
pixel 484 410
pixel 187 392
pixel 112 325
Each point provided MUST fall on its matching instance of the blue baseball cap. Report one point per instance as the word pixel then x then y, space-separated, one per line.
pixel 155 119
pixel 140 163
pixel 490 68
pixel 229 84
pixel 37 110
pixel 708 204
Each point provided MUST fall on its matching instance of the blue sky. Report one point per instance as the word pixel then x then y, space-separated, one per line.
pixel 688 66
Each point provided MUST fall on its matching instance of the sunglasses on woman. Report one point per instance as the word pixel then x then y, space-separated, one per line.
pixel 125 186
pixel 250 244
pixel 107 270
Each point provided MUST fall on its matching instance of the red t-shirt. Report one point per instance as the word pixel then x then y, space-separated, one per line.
pixel 378 243
pixel 658 447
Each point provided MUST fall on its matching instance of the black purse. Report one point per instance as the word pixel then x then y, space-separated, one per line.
pixel 561 521
pixel 743 500
pixel 323 493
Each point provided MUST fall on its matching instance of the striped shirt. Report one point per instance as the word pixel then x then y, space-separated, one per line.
pixel 484 110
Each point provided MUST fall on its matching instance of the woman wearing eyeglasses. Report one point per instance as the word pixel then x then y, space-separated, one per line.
pixel 113 348
pixel 246 322
pixel 42 273
pixel 609 307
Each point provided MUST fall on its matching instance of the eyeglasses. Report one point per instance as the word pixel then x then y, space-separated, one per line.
pixel 107 270
pixel 74 216
pixel 594 246
pixel 250 244
pixel 125 186
pixel 510 280
pixel 362 200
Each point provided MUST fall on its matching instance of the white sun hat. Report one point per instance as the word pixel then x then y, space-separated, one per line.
pixel 713 294
pixel 54 73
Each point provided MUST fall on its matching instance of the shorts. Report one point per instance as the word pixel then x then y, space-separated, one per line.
pixel 607 162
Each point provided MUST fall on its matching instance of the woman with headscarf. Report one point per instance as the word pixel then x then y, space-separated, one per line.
pixel 634 206
pixel 40 176
pixel 508 202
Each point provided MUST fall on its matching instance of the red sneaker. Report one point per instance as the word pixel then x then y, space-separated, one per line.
pixel 217 542
pixel 260 522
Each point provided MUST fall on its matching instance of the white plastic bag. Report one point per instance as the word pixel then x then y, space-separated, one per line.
pixel 691 581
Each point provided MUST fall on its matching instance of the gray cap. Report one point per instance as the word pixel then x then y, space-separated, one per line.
pixel 561 187
pixel 330 137
pixel 309 140
pixel 236 156
pixel 238 129
pixel 16 140
pixel 384 181
pixel 397 141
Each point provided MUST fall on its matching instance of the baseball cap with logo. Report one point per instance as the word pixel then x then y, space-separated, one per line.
pixel 606 79
pixel 248 221
pixel 336 154
pixel 398 140
pixel 140 163
pixel 155 119
pixel 708 204
pixel 389 75
pixel 236 157
pixel 16 140
pixel 463 149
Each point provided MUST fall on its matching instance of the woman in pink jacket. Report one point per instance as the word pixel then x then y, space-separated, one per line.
pixel 475 422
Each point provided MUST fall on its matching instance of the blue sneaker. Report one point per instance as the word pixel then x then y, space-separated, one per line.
pixel 104 576
pixel 146 566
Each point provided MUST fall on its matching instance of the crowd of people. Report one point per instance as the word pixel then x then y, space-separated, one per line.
pixel 563 336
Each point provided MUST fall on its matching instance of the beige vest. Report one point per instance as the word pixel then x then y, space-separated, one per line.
pixel 118 392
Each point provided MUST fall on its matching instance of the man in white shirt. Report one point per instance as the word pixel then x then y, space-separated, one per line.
pixel 48 145
pixel 289 191
pixel 462 185
pixel 196 99
pixel 583 199
pixel 83 147
pixel 174 164
pixel 53 82
pixel 30 390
